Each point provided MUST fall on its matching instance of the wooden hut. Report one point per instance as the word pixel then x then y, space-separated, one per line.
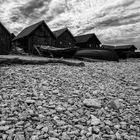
pixel 33 36
pixel 5 40
pixel 65 39
pixel 135 54
pixel 124 50
pixel 87 41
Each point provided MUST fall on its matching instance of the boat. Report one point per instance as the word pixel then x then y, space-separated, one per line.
pixel 58 52
pixel 99 54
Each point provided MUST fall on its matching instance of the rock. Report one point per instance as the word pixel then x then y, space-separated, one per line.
pixel 4 128
pixel 95 120
pixel 51 138
pixel 108 122
pixel 65 136
pixel 39 126
pixel 10 131
pixel 56 91
pixel 115 104
pixel 96 129
pixel 117 126
pixel 83 132
pixel 125 136
pixel 74 132
pixel 19 137
pixel 28 101
pixel 41 116
pixel 4 137
pixel 60 122
pixel 60 108
pixel 123 125
pixel 2 122
pixel 34 137
pixel 92 103
pixel 89 131
pixel 45 129
pixel 54 133
pixel 94 137
pixel 118 136
pixel 96 92
pixel 56 118
pixel 80 126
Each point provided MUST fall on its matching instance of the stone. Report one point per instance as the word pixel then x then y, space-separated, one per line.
pixel 4 137
pixel 115 104
pixel 92 103
pixel 95 120
pixel 2 122
pixel 60 122
pixel 96 92
pixel 65 136
pixel 19 137
pixel 60 108
pixel 96 129
pixel 94 137
pixel 4 128
pixel 30 101
pixel 39 126
pixel 34 137
pixel 108 122
pixel 123 125
pixel 45 129
pixel 117 126
pixel 74 132
pixel 118 136
pixel 52 138
pixel 79 126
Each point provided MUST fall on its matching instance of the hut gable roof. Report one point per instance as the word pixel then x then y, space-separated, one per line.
pixel 125 47
pixel 85 38
pixel 59 32
pixel 5 28
pixel 119 47
pixel 27 31
pixel 107 47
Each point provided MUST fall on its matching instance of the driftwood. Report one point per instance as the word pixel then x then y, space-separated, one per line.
pixel 10 61
pixel 90 59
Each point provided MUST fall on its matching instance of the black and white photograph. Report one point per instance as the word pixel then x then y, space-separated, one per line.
pixel 69 69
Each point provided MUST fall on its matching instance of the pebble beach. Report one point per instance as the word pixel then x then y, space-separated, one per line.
pixel 100 101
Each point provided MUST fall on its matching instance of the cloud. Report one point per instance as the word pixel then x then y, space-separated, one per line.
pixel 56 7
pixel 113 21
pixel 110 20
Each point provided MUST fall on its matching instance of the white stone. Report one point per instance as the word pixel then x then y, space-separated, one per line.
pixel 92 103
pixel 95 120
pixel 45 129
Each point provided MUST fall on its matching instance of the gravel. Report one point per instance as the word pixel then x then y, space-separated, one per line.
pixel 58 102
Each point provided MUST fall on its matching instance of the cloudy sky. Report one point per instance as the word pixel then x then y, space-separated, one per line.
pixel 113 21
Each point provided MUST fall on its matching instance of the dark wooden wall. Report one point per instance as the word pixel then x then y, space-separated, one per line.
pixel 91 43
pixel 41 36
pixel 124 53
pixel 65 41
pixel 5 41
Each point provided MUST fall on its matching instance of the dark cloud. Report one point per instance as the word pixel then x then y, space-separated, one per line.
pixel 29 9
pixel 14 18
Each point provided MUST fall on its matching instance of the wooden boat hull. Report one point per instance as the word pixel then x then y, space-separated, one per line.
pixel 58 53
pixel 101 54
